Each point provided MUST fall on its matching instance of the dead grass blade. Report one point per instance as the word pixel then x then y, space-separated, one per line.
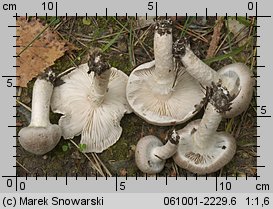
pixel 215 38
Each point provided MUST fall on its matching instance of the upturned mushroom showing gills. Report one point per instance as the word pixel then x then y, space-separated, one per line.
pixel 201 148
pixel 236 78
pixel 161 91
pixel 41 136
pixel 92 101
pixel 151 154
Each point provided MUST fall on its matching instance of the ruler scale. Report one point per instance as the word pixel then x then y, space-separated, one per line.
pixel 193 191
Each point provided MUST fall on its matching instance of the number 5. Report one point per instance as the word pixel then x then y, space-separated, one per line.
pixel 150 5
pixel 9 82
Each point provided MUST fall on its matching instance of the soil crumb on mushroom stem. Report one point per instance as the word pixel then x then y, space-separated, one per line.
pixel 97 63
pixel 163 26
pixel 219 97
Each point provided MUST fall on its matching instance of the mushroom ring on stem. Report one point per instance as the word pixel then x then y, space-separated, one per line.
pixel 151 154
pixel 236 78
pixel 92 101
pixel 201 149
pixel 161 91
pixel 41 136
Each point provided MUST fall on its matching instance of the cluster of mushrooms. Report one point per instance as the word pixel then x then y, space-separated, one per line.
pixel 169 90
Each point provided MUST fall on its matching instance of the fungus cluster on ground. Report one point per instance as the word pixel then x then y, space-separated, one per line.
pixel 201 149
pixel 169 90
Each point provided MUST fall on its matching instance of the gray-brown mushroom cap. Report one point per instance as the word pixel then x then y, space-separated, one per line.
pixel 146 161
pixel 40 140
pixel 151 154
pixel 238 77
pixel 218 152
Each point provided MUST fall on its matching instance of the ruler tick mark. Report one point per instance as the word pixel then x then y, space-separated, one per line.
pixel 106 13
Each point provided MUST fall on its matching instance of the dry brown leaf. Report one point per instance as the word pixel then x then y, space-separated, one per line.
pixel 215 38
pixel 41 54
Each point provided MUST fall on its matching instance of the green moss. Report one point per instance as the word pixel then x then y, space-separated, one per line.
pixel 121 63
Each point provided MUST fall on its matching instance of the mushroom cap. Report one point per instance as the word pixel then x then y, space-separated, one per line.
pixel 217 153
pixel 150 101
pixel 40 140
pixel 98 124
pixel 240 75
pixel 146 161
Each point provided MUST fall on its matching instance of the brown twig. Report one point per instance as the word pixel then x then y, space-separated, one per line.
pixel 215 38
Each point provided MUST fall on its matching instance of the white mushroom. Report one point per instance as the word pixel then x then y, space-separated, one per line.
pixel 201 148
pixel 161 91
pixel 236 78
pixel 41 136
pixel 92 101
pixel 151 154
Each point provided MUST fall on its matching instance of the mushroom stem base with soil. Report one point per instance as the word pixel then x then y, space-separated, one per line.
pixel 201 149
pixel 196 156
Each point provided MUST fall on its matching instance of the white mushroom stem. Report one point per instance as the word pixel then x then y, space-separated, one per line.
pixel 165 152
pixel 169 149
pixel 198 69
pixel 42 92
pixel 207 127
pixel 100 86
pixel 163 58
